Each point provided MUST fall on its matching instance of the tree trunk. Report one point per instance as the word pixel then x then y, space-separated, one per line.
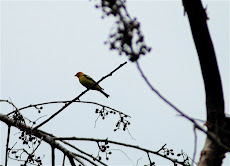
pixel 217 123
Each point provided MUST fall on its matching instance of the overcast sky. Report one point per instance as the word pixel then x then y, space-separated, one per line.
pixel 44 44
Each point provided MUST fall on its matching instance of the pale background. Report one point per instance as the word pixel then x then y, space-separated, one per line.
pixel 45 43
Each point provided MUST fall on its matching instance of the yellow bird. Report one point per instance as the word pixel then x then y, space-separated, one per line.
pixel 87 82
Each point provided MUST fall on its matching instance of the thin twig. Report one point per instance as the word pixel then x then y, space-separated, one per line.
pixel 16 109
pixel 130 134
pixel 162 148
pixel 123 153
pixel 95 123
pixel 78 97
pixel 138 161
pixel 33 151
pixel 11 103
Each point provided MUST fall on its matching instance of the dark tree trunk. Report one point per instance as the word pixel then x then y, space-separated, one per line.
pixel 217 123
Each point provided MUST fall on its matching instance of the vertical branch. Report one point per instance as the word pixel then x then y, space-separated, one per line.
pixel 7 145
pixel 212 153
pixel 53 155
pixel 195 145
pixel 214 95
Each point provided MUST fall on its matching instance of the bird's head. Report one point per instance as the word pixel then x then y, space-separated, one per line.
pixel 79 74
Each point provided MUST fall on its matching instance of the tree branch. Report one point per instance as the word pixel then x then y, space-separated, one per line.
pixel 71 161
pixel 65 102
pixel 52 141
pixel 195 146
pixel 48 138
pixel 53 156
pixel 63 163
pixel 7 144
pixel 30 155
pixel 211 135
pixel 91 156
pixel 121 144
pixel 78 97
pixel 212 153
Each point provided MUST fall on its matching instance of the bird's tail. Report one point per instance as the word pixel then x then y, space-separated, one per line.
pixel 106 95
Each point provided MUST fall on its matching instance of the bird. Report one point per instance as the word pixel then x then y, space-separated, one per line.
pixel 87 82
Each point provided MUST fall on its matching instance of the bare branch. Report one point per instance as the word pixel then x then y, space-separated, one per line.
pixel 52 141
pixel 86 159
pixel 31 154
pixel 121 144
pixel 21 118
pixel 78 97
pixel 63 163
pixel 162 148
pixel 212 136
pixel 53 155
pixel 150 162
pixel 71 161
pixel 48 138
pixel 67 101
pixel 91 156
pixel 11 103
pixel 7 144
pixel 195 146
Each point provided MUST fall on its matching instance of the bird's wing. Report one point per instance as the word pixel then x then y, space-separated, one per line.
pixel 89 78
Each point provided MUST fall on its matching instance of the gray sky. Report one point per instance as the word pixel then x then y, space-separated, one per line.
pixel 45 43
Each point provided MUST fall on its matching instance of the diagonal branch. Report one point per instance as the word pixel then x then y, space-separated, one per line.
pixel 212 136
pixel 48 138
pixel 86 159
pixel 63 163
pixel 71 161
pixel 91 156
pixel 78 97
